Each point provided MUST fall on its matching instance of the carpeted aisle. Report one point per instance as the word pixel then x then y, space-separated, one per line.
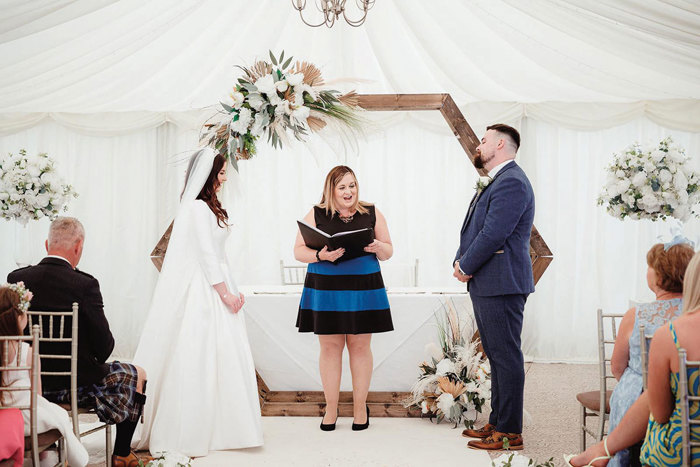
pixel 297 441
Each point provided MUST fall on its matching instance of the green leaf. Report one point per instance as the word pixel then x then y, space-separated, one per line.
pixel 227 107
pixel 272 58
pixel 286 64
pixel 281 57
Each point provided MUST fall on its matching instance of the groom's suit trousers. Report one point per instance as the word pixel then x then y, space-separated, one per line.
pixel 500 321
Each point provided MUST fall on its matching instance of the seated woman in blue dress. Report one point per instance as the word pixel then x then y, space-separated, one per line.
pixel 655 416
pixel 344 300
pixel 665 270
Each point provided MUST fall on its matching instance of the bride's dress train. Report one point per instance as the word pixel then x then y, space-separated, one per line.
pixel 202 391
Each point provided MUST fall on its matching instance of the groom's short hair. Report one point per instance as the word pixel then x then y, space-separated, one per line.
pixel 508 131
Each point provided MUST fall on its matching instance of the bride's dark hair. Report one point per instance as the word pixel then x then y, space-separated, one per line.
pixel 208 193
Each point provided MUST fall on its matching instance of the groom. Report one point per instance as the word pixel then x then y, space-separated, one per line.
pixel 494 260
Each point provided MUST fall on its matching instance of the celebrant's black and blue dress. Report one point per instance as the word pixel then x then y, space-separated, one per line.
pixel 347 297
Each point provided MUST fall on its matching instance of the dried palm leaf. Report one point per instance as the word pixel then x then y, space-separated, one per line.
pixel 351 99
pixel 312 75
pixel 315 123
pixel 449 387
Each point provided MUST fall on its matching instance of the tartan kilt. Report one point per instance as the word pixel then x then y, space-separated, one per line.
pixel 114 397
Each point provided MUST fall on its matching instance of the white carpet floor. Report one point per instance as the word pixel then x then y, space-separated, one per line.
pixel 298 441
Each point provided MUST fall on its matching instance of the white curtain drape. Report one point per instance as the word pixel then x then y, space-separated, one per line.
pixel 409 164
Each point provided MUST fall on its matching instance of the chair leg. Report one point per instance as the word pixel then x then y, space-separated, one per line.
pixel 582 428
pixel 601 426
pixel 108 445
pixel 62 460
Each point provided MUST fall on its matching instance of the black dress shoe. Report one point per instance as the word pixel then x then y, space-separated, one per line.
pixel 329 426
pixel 361 426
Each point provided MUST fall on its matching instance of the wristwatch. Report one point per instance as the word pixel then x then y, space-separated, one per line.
pixel 318 257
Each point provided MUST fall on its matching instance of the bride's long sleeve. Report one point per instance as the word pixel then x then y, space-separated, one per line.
pixel 203 222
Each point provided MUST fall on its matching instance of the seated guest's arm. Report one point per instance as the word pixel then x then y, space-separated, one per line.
pixel 93 316
pixel 661 351
pixel 621 352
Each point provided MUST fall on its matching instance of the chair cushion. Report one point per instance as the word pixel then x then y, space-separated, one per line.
pixel 46 439
pixel 591 400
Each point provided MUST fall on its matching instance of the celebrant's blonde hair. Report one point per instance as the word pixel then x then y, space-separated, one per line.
pixel 332 180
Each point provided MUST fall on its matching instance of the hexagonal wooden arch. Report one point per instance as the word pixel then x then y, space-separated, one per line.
pixel 381 404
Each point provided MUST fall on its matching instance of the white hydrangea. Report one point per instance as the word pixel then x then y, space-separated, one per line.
pixel 445 366
pixel 445 401
pixel 30 188
pixel 651 182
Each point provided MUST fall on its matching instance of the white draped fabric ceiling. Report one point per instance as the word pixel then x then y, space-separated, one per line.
pixel 116 91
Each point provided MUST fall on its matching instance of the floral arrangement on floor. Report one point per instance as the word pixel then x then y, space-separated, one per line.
pixel 169 459
pixel 30 188
pixel 651 182
pixel 456 383
pixel 518 460
pixel 273 98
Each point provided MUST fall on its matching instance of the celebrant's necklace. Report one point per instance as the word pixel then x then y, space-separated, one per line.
pixel 347 219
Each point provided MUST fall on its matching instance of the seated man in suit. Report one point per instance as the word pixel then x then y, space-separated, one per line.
pixel 115 390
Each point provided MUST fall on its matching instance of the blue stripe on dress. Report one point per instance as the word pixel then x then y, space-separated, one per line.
pixel 367 264
pixel 344 300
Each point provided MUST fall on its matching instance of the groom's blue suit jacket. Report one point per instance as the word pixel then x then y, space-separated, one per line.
pixel 494 245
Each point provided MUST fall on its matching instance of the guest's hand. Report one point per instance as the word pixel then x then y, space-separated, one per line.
pixel 326 255
pixel 233 302
pixel 374 247
pixel 458 274
pixel 242 299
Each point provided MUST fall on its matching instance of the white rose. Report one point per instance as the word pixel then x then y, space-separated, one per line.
pixel 682 213
pixel 281 85
pixel 649 167
pixel 620 174
pixel 237 99
pixel 283 108
pixel 33 170
pixel 623 185
pixel 298 100
pixel 274 99
pixel 640 179
pixel 650 203
pixel 301 114
pixel 445 366
pixel 676 156
pixel 472 386
pixel 424 407
pixel 680 182
pixel 295 79
pixel 244 119
pixel 657 155
pixel 255 100
pixel 433 351
pixel 445 402
pixel 266 85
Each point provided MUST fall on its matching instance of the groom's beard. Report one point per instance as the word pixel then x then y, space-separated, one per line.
pixel 479 160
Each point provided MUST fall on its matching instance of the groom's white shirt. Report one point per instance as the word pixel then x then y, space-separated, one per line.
pixel 492 173
pixel 60 257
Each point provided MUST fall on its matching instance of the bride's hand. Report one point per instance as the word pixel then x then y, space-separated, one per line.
pixel 233 302
pixel 242 300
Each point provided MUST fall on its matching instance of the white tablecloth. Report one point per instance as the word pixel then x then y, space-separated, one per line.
pixel 288 360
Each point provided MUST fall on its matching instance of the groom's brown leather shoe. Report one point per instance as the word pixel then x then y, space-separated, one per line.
pixel 132 460
pixel 496 442
pixel 483 432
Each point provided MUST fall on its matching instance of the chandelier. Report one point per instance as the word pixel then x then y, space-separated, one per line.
pixel 332 9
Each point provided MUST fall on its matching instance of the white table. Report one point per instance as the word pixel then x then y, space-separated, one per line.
pixel 288 360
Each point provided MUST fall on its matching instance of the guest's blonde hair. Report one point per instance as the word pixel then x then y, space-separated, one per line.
pixel 64 232
pixel 328 199
pixel 691 286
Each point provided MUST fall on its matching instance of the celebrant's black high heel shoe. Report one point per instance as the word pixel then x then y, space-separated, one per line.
pixel 329 426
pixel 362 426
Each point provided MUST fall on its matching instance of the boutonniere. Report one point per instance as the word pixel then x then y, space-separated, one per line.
pixel 482 183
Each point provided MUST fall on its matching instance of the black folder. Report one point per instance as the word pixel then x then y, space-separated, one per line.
pixel 354 241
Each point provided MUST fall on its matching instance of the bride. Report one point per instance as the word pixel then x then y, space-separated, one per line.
pixel 202 389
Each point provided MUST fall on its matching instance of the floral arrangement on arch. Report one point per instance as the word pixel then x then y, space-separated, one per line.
pixel 30 188
pixel 651 182
pixel 456 383
pixel 273 98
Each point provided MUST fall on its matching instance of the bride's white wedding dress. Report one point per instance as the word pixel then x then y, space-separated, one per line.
pixel 202 391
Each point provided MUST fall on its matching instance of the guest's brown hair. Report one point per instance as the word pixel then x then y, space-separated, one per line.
pixel 507 130
pixel 9 317
pixel 208 193
pixel 670 265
